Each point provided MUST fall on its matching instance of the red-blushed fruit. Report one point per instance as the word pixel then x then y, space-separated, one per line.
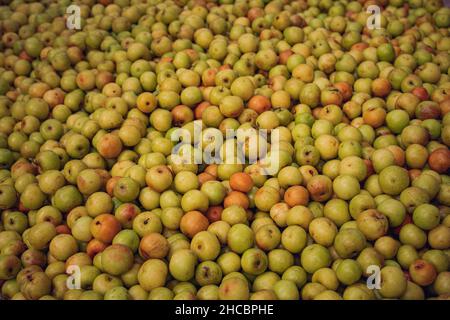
pixel 407 220
pixel 414 174
pixel 22 208
pixel 241 181
pixel 420 93
pixel 360 46
pixel 109 146
pixel 126 213
pixel 399 154
pixel 297 20
pixel 369 167
pixel 236 198
pixel 212 170
pixel 198 111
pixel 166 59
pixel 192 54
pixel 284 55
pixel 95 246
pixel 204 177
pixel 254 13
pixel 445 106
pixel 259 103
pixel 12 95
pixel 214 213
pixel 208 77
pixel 153 246
pixel 428 110
pixel 381 87
pixel 54 97
pixel 422 272
pixel 102 78
pixel 225 67
pixel 234 289
pixel 24 55
pixel 345 89
pixel 296 195
pixel 21 167
pixel 320 188
pixel 104 227
pixel 111 184
pixel 316 112
pixel 374 117
pixel 63 229
pixel 181 115
pixel 439 160
pixel 193 222
pixel 331 96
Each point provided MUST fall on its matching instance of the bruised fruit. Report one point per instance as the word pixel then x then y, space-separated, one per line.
pixel 422 272
pixel 153 246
